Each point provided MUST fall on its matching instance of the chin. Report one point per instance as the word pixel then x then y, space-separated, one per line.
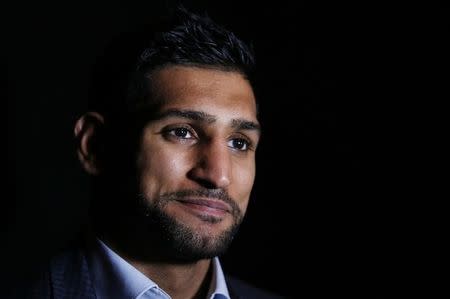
pixel 202 241
pixel 191 238
pixel 187 233
pixel 194 247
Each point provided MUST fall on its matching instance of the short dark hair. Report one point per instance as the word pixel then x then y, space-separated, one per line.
pixel 121 80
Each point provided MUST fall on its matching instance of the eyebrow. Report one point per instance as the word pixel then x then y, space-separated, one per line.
pixel 236 123
pixel 243 124
pixel 188 114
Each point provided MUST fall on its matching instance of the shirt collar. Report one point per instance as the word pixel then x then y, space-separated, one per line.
pixel 218 284
pixel 116 278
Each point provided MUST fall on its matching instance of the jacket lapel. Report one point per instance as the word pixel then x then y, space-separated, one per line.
pixel 232 289
pixel 70 277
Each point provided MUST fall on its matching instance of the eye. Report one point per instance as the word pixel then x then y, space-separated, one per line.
pixel 181 132
pixel 239 143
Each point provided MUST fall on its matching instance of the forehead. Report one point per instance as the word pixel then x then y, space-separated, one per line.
pixel 213 91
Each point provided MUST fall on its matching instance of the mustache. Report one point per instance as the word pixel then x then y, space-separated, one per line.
pixel 206 193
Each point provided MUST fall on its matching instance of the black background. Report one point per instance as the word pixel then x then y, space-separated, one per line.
pixel 328 214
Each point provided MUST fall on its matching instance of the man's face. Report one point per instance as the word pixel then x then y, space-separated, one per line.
pixel 196 160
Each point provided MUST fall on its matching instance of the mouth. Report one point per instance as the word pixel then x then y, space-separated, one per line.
pixel 206 208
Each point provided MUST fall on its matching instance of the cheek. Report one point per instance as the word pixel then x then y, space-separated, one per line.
pixel 244 179
pixel 161 170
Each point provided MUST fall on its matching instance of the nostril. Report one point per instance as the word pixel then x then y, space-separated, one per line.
pixel 202 181
pixel 207 184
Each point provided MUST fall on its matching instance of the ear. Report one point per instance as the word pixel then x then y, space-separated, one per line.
pixel 88 133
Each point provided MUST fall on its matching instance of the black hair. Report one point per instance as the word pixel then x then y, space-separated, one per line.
pixel 185 38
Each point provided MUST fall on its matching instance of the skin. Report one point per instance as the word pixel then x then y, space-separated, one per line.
pixel 204 138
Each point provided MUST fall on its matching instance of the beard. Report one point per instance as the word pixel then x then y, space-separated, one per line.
pixel 180 242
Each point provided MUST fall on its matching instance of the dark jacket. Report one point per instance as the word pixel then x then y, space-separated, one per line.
pixel 67 276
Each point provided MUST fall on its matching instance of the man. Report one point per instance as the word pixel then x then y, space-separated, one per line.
pixel 173 163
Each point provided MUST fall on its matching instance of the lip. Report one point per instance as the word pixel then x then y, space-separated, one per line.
pixel 206 207
pixel 209 203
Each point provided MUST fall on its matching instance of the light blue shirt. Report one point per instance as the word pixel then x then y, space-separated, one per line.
pixel 114 277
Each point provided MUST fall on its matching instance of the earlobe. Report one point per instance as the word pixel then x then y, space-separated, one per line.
pixel 88 133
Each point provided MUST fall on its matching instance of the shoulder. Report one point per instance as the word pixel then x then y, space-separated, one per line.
pixel 242 290
pixel 64 274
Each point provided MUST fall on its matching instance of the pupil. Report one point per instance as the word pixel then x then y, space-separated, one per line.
pixel 181 132
pixel 238 143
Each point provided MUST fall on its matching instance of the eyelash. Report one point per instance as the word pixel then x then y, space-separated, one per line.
pixel 172 133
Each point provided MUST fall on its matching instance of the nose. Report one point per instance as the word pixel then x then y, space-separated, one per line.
pixel 212 167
